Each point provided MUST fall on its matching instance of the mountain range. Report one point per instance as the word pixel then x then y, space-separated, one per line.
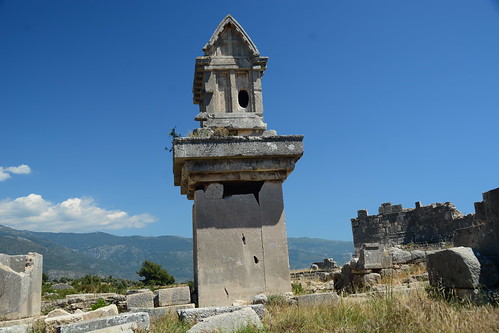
pixel 98 253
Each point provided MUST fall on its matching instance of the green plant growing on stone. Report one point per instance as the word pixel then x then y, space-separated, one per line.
pixel 154 274
pixel 173 134
pixel 297 288
pixel 100 304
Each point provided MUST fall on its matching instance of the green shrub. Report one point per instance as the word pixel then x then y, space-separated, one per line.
pixel 100 304
pixel 155 275
pixel 297 288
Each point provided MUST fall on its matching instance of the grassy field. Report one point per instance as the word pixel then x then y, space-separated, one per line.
pixel 414 312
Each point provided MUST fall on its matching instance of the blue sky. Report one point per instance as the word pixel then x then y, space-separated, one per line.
pixel 398 102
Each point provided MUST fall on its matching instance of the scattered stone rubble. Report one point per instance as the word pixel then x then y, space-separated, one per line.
pixel 137 309
pixel 471 269
pixel 84 302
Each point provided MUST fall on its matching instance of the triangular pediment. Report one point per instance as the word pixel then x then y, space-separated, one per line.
pixel 230 39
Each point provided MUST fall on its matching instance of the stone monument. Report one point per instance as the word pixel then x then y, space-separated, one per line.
pixel 20 285
pixel 233 169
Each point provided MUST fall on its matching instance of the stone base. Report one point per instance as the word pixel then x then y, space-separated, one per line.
pixel 240 244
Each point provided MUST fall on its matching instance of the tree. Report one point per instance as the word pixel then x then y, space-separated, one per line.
pixel 155 275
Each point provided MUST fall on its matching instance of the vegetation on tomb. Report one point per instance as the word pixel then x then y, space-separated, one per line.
pixel 173 135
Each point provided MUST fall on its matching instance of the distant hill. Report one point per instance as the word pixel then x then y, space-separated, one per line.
pixel 303 251
pixel 99 253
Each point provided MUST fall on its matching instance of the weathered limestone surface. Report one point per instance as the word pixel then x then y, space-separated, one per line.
pixel 141 320
pixel 20 285
pixel 198 314
pixel 60 318
pixel 199 161
pixel 172 296
pixel 124 328
pixel 15 329
pixel 456 267
pixel 241 246
pixel 228 322
pixel 374 256
pixel 317 299
pixel 143 299
pixel 160 312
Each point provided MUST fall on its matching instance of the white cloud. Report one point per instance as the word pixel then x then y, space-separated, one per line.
pixel 34 213
pixel 3 175
pixel 22 169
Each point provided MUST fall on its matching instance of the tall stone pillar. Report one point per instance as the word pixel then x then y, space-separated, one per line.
pixel 233 169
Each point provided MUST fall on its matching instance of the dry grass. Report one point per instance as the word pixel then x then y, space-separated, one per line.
pixel 404 313
pixel 401 275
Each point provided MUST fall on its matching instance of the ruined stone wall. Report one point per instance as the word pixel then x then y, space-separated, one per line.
pixel 394 225
pixel 484 235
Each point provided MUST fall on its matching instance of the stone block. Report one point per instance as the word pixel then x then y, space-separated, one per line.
pixel 105 311
pixel 172 296
pixel 143 299
pixel 198 314
pixel 214 191
pixel 362 213
pixel 400 256
pixel 20 285
pixel 52 323
pixel 15 329
pixel 160 312
pixel 233 158
pixel 260 299
pixel 317 299
pixel 456 267
pixel 240 246
pixel 141 320
pixel 57 313
pixel 228 322
pixel 371 279
pixel 124 328
pixel 385 208
pixel 374 256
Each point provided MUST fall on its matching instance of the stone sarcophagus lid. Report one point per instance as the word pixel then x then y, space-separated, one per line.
pixel 233 169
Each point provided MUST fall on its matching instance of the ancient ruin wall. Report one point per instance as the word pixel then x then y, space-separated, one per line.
pixel 483 236
pixel 394 225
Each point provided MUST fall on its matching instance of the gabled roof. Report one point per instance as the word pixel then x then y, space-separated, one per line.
pixel 230 20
